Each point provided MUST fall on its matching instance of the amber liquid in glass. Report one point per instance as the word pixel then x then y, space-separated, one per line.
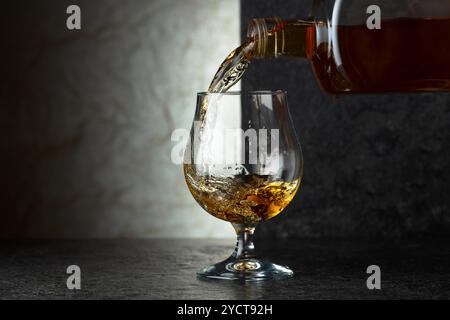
pixel 240 198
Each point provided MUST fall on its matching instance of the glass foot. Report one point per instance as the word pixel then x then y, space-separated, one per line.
pixel 249 269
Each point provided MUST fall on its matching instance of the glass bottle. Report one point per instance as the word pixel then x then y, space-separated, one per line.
pixel 365 46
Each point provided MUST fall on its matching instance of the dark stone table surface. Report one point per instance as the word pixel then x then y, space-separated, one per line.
pixel 165 269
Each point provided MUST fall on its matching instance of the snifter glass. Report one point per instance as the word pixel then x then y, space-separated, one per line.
pixel 243 164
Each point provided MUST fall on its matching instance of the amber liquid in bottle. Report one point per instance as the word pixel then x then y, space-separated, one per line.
pixel 405 55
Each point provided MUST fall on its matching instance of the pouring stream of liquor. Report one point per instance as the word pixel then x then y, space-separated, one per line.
pixel 232 68
pixel 230 72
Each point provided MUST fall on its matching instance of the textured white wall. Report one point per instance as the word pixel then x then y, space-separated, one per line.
pixel 124 83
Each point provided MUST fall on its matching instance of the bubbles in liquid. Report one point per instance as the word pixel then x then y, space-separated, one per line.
pixel 240 198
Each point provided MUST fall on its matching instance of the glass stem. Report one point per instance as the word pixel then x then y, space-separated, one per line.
pixel 245 249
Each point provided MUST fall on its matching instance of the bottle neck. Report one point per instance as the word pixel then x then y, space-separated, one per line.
pixel 275 37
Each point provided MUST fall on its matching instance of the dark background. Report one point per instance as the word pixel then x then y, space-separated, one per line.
pixel 375 165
